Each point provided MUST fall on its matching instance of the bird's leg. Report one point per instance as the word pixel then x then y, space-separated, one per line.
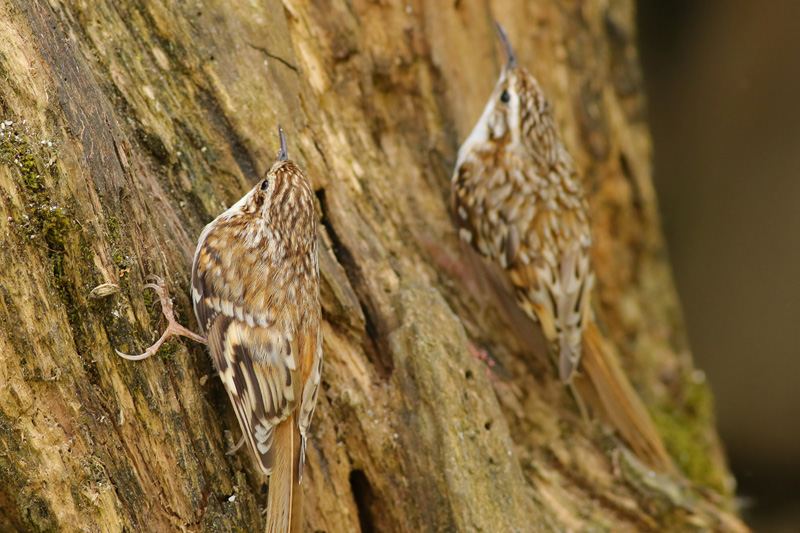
pixel 173 328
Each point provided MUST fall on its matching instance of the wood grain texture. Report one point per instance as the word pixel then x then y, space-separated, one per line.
pixel 127 126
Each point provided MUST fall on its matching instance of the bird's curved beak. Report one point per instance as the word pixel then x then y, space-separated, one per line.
pixel 512 59
pixel 283 155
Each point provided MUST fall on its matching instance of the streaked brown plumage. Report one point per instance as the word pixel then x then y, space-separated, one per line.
pixel 518 200
pixel 255 290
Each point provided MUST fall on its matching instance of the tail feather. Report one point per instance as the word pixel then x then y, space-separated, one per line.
pixel 285 499
pixel 569 353
pixel 619 402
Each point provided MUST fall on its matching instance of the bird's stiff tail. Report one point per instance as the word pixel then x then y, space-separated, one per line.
pixel 614 398
pixel 285 499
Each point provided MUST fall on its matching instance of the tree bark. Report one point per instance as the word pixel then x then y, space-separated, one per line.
pixel 127 126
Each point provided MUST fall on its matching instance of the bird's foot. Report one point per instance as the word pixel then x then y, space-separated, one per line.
pixel 173 327
pixel 481 356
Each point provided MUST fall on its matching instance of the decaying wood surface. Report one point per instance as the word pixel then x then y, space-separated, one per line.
pixel 127 126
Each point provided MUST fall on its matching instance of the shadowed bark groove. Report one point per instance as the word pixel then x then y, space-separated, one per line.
pixel 127 126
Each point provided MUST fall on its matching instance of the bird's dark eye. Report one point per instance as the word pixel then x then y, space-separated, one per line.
pixel 505 97
pixel 264 184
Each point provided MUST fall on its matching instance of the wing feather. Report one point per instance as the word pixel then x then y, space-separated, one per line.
pixel 261 387
pixel 540 239
pixel 255 359
pixel 309 399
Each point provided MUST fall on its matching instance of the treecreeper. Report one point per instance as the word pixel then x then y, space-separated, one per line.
pixel 518 200
pixel 255 292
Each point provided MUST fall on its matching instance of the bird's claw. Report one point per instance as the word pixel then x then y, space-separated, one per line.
pixel 236 447
pixel 152 278
pixel 158 285
pixel 135 357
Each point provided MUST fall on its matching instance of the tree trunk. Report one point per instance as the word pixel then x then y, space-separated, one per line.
pixel 127 126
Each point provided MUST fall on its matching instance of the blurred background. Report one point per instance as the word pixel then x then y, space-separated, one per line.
pixel 723 80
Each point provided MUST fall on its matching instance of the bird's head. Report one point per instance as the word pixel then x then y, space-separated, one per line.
pixel 283 192
pixel 516 109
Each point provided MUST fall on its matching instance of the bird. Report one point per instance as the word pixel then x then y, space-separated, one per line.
pixel 518 200
pixel 255 293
